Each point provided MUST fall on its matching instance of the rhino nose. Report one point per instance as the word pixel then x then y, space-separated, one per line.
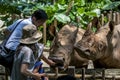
pixel 58 60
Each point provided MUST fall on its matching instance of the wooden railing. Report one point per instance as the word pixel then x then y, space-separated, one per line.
pixel 88 74
pixel 111 15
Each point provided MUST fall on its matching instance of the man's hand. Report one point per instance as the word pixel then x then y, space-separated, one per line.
pixel 38 76
pixel 48 61
pixel 51 63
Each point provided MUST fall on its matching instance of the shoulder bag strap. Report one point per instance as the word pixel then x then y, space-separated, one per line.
pixel 4 42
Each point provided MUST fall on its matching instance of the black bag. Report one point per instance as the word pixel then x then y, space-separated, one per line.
pixel 7 56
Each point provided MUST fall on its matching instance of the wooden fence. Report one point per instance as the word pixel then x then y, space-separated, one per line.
pixel 80 74
pixel 83 73
pixel 110 16
pixel 88 74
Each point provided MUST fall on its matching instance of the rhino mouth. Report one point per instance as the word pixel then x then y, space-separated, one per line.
pixel 59 62
pixel 83 53
pixel 86 53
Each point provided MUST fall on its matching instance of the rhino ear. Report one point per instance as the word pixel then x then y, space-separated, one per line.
pixel 54 42
pixel 52 30
pixel 111 25
pixel 57 42
pixel 96 22
pixel 89 26
pixel 74 35
pixel 88 30
pixel 55 39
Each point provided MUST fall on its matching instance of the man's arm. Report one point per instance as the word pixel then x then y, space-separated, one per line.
pixel 36 71
pixel 25 71
pixel 48 61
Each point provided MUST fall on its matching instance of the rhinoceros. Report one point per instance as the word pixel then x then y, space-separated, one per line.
pixel 62 51
pixel 102 45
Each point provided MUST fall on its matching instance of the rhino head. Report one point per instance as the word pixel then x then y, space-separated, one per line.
pixel 93 45
pixel 62 46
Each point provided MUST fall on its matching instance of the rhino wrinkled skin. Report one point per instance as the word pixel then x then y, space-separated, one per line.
pixel 62 49
pixel 103 45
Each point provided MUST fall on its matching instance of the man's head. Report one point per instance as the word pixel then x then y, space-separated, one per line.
pixel 30 35
pixel 39 17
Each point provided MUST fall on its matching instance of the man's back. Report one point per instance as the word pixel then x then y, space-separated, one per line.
pixel 21 57
pixel 13 40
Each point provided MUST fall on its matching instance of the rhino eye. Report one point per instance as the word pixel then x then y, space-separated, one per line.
pixel 100 47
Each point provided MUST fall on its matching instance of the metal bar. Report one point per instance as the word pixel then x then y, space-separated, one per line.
pixel 71 70
pixel 83 73
pixel 103 74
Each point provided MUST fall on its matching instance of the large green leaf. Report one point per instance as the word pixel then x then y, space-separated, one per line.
pixel 112 5
pixel 80 2
pixel 97 11
pixel 91 14
pixel 81 10
pixel 62 18
pixel 61 7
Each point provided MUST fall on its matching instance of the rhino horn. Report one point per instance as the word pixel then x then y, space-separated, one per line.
pixel 93 23
pixel 111 26
pixel 88 30
pixel 74 35
pixel 56 39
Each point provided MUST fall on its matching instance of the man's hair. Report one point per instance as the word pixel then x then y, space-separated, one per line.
pixel 40 14
pixel 66 77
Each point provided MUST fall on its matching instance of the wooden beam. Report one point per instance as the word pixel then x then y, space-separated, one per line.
pixel 44 33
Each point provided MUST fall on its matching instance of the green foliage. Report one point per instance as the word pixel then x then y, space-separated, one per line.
pixel 62 18
pixel 112 6
pixel 48 43
pixel 84 10
pixel 5 8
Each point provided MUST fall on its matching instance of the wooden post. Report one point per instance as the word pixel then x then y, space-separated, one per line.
pixel 6 74
pixel 113 77
pixel 53 1
pixel 103 74
pixel 71 70
pixel 55 23
pixel 114 18
pixel 83 73
pixel 102 19
pixel 111 15
pixel 56 72
pixel 94 78
pixel 108 16
pixel 70 5
pixel 118 18
pixel 44 33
